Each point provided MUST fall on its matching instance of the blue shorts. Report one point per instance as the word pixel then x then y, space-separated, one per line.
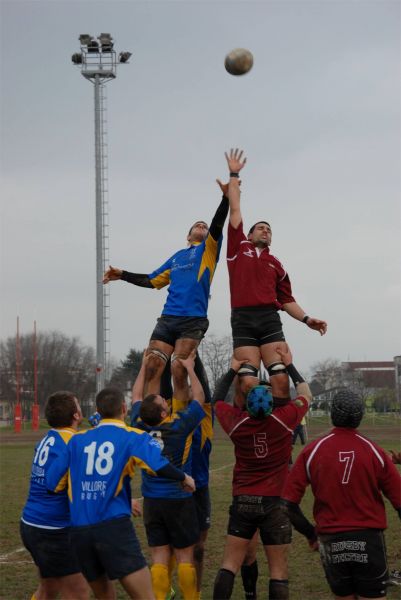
pixel 51 550
pixel 169 329
pixel 110 548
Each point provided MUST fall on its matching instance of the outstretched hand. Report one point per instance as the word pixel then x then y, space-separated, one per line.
pixel 112 274
pixel 189 362
pixel 234 160
pixel 224 186
pixel 317 325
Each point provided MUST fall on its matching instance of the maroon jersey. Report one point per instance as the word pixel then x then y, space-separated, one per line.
pixel 255 280
pixel 262 446
pixel 347 473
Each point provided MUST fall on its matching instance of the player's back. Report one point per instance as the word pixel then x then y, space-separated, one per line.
pixel 44 509
pixel 347 473
pixel 101 462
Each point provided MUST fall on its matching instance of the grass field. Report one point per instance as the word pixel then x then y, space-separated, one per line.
pixel 18 574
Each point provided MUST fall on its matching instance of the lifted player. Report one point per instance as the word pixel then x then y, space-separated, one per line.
pixel 260 287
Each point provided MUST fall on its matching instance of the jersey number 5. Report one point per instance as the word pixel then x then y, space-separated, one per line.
pixel 348 459
pixel 103 463
pixel 260 445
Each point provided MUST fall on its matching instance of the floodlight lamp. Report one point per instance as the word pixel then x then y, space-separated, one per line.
pixel 77 58
pixel 85 39
pixel 124 57
pixel 104 38
pixel 93 47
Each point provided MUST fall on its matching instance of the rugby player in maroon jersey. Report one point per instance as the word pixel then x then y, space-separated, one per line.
pixel 259 287
pixel 262 441
pixel 348 474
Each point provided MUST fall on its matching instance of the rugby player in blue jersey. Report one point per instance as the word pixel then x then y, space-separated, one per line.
pixel 100 463
pixel 183 323
pixel 45 521
pixel 170 514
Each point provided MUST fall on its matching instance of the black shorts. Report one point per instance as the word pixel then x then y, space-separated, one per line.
pixel 110 548
pixel 203 507
pixel 249 514
pixel 169 329
pixel 170 521
pixel 355 562
pixel 256 326
pixel 51 550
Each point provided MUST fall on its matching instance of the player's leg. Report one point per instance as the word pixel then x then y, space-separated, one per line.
pixel 233 557
pixel 248 373
pixel 74 587
pixel 189 333
pixel 186 572
pixel 138 585
pixel 199 553
pixel 183 348
pixel 277 372
pixel 249 569
pixel 275 532
pixel 161 582
pixel 103 588
pixel 159 353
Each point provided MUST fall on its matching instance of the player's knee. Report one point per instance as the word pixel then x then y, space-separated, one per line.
pixel 279 589
pixel 199 552
pixel 277 368
pixel 178 371
pixel 155 364
pixel 223 585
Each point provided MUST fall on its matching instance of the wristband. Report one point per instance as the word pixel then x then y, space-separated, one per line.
pixel 234 174
pixel 304 320
pixel 295 376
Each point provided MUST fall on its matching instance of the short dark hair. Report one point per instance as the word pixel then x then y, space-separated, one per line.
pixel 257 223
pixel 150 412
pixel 109 402
pixel 60 409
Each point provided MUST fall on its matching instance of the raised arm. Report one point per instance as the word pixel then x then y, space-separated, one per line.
pixel 113 274
pixel 197 389
pixel 235 164
pixel 138 387
pixel 299 382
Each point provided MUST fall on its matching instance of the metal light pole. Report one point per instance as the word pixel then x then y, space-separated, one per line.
pixel 98 62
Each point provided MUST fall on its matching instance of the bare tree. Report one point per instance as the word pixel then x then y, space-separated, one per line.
pixel 216 353
pixel 63 363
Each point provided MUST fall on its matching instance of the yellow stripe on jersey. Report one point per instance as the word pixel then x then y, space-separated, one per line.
pixel 177 405
pixel 209 258
pixel 161 280
pixel 206 425
pixel 188 443
pixel 129 470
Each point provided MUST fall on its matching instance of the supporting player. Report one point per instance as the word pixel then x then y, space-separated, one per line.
pixel 183 323
pixel 100 463
pixel 260 287
pixel 170 515
pixel 45 522
pixel 262 443
pixel 348 474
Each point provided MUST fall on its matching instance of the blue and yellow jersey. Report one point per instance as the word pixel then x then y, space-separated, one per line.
pixel 201 444
pixel 188 273
pixel 174 434
pixel 44 509
pixel 100 463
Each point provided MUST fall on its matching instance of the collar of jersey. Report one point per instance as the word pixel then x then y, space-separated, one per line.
pixel 69 429
pixel 117 422
pixel 195 244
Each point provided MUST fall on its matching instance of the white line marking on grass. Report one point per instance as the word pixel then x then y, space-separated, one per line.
pixel 4 557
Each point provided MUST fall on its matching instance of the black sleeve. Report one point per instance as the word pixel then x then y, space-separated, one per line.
pixel 299 521
pixel 140 279
pixel 171 472
pixel 201 374
pixel 223 386
pixel 217 224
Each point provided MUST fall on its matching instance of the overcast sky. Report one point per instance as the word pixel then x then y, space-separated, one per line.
pixel 319 120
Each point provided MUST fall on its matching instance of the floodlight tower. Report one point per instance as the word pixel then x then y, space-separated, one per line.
pixel 98 63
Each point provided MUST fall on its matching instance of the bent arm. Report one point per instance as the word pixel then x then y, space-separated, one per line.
pixel 296 312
